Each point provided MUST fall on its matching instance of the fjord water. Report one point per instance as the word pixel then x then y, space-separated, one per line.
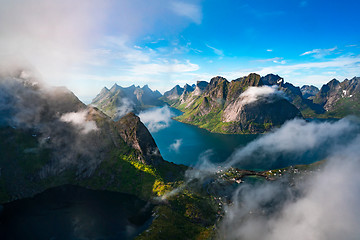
pixel 194 142
pixel 69 212
pixel 187 144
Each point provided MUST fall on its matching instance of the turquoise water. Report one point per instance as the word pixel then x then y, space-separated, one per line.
pixel 195 141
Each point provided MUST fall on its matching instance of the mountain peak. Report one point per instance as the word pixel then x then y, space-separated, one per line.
pixel 174 93
pixel 104 90
pixel 272 79
pixel 188 88
pixel 114 87
pixel 334 82
pixel 216 80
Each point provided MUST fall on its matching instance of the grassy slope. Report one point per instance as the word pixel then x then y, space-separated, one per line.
pixel 186 215
pixel 192 115
pixel 342 108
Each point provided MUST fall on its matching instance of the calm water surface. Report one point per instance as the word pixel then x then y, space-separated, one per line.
pixel 195 141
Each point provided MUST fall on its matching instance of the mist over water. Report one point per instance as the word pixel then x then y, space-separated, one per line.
pixel 183 143
pixel 321 205
pixel 296 142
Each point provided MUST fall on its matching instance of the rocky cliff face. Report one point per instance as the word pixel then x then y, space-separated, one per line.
pixel 200 87
pixel 293 94
pixel 259 116
pixel 272 79
pixel 328 94
pixel 340 98
pixel 186 92
pixel 174 93
pixel 218 106
pixel 118 101
pixel 136 135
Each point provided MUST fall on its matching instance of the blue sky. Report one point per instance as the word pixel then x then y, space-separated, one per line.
pixel 166 42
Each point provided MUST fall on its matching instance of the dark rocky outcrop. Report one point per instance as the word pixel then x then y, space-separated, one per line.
pixel 272 79
pixel 200 87
pixel 136 135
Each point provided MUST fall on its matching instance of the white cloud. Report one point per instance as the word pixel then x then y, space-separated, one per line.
pixel 337 62
pixel 79 44
pixel 176 145
pixel 216 51
pixel 321 206
pixel 27 33
pixel 79 120
pixel 118 49
pixel 252 94
pixel 296 137
pixel 318 53
pixel 274 60
pixel 269 50
pixel 344 66
pixel 157 118
pixel 318 206
pixel 164 67
pixel 203 167
pixel 125 106
pixel 188 10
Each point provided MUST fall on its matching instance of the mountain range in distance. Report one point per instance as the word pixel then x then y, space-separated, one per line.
pixel 250 104
pixel 118 101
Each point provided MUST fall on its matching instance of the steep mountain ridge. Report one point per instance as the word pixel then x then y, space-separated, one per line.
pixel 340 98
pixel 134 133
pixel 293 94
pixel 218 106
pixel 118 101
